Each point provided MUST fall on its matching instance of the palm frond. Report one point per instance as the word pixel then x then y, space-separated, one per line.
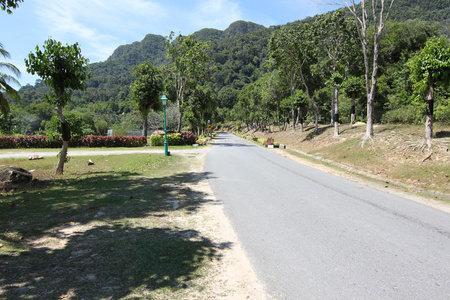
pixel 5 88
pixel 3 52
pixel 4 106
pixel 9 67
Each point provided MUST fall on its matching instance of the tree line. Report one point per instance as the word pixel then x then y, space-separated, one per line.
pixel 249 77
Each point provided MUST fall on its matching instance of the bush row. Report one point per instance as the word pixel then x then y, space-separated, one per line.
pixel 173 139
pixel 11 142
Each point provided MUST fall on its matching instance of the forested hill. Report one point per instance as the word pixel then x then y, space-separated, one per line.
pixel 239 53
pixel 426 10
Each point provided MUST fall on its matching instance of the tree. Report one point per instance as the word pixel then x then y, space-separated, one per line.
pixel 189 60
pixel 5 79
pixel 379 13
pixel 292 49
pixel 430 68
pixel 146 90
pixel 8 4
pixel 353 87
pixel 336 36
pixel 273 90
pixel 64 69
pixel 200 106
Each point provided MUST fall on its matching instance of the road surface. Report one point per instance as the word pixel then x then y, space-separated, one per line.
pixel 313 235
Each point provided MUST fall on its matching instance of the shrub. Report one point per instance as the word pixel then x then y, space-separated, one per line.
pixel 113 141
pixel 11 142
pixel 405 115
pixel 262 141
pixel 174 139
pixel 157 140
pixel 188 138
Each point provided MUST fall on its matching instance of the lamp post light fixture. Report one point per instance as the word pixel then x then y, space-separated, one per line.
pixel 164 103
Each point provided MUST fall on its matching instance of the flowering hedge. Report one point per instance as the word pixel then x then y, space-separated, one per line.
pixel 12 142
pixel 173 139
pixel 113 141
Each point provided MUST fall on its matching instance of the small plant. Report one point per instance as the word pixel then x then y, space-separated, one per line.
pixel 238 126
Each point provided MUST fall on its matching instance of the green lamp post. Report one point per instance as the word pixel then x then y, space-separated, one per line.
pixel 164 103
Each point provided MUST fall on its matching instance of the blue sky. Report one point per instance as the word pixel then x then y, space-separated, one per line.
pixel 100 26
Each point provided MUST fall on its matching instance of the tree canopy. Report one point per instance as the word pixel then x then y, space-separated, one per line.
pixel 64 69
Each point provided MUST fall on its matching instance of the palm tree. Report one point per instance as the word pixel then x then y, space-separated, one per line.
pixel 5 79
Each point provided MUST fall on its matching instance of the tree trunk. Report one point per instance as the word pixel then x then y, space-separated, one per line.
pixel 62 158
pixel 336 111
pixel 353 116
pixel 333 105
pixel 65 129
pixel 180 118
pixel 300 118
pixel 293 118
pixel 371 95
pixel 144 126
pixel 278 117
pixel 314 104
pixel 429 117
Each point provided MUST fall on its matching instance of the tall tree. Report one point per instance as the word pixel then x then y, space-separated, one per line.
pixel 337 37
pixel 7 5
pixel 146 90
pixel 64 69
pixel 430 68
pixel 6 90
pixel 293 50
pixel 378 11
pixel 189 64
pixel 201 104
pixel 353 86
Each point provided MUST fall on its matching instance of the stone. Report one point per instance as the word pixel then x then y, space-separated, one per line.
pixel 12 176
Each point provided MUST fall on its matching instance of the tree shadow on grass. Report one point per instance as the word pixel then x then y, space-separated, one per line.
pixel 109 262
pixel 442 134
pixel 117 194
pixel 101 261
pixel 312 134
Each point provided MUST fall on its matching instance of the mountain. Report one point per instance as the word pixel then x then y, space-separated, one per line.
pixel 239 52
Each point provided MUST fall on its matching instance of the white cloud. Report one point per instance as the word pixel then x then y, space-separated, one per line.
pixel 217 14
pixel 98 25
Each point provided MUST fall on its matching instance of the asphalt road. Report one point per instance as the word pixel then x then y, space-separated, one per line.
pixel 313 235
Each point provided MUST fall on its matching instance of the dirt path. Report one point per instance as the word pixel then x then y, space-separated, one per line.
pixel 23 153
pixel 234 276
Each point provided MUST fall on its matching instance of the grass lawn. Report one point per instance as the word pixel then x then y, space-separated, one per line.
pixel 120 229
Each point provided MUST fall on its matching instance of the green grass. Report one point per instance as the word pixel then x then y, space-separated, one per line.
pixel 101 231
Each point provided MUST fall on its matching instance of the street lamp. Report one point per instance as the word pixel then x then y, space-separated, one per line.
pixel 164 103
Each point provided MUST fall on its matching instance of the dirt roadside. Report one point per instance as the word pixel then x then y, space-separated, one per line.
pixel 234 277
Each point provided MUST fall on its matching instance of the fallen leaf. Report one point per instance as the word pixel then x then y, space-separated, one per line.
pixel 1 245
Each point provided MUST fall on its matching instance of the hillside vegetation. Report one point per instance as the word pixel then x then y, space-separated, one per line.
pixel 240 56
